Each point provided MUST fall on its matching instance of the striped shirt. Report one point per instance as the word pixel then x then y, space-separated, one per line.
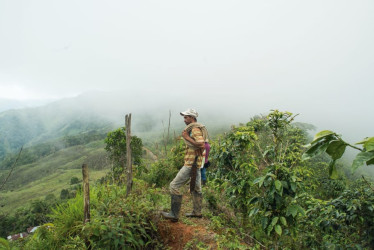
pixel 189 157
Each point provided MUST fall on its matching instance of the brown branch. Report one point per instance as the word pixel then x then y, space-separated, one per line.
pixel 11 170
pixel 367 183
pixel 262 154
pixel 255 240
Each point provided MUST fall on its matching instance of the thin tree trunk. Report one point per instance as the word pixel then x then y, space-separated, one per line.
pixel 128 154
pixel 86 194
pixel 12 168
pixel 168 138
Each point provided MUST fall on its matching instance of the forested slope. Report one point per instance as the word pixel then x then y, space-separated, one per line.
pixel 260 194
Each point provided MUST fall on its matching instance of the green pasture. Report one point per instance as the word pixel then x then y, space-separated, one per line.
pixel 51 174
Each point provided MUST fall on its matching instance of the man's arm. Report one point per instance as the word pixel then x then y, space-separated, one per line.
pixel 198 143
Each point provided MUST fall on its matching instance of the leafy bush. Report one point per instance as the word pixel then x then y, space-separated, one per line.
pixel 116 222
pixel 33 215
pixel 163 171
pixel 259 168
pixel 346 221
pixel 74 180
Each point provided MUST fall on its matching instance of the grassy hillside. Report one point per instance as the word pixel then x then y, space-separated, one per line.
pixel 51 174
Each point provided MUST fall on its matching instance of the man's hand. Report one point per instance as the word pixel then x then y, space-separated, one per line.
pixel 187 137
pixel 185 134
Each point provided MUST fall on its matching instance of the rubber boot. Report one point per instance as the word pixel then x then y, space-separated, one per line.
pixel 176 202
pixel 197 199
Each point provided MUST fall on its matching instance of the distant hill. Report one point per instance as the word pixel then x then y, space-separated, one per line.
pixel 31 126
pixel 99 111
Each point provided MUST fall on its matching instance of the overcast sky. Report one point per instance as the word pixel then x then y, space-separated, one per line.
pixel 315 58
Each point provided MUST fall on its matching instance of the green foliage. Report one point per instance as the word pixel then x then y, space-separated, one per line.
pixel 277 206
pixel 64 194
pixel 165 169
pixel 124 224
pixel 34 214
pixel 343 222
pixel 4 244
pixel 117 221
pixel 74 180
pixel 332 143
pixel 7 225
pixel 257 169
pixel 116 147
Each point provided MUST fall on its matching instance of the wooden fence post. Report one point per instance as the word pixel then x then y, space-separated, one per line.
pixel 86 194
pixel 128 154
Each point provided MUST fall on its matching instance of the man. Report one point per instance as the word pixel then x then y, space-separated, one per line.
pixel 194 135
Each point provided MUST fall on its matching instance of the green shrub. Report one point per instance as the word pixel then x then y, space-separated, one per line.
pixel 117 221
pixel 74 180
pixel 346 221
pixel 163 171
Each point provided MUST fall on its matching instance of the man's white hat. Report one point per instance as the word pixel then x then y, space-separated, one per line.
pixel 190 112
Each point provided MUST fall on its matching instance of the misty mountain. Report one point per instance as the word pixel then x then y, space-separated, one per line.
pixel 96 111
pixel 31 126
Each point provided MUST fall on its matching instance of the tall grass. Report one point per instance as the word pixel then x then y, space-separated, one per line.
pixel 117 221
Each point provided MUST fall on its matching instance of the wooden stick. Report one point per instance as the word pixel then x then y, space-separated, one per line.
pixel 86 194
pixel 128 154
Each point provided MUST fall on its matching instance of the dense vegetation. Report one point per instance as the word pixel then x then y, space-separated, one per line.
pixel 261 193
pixel 279 197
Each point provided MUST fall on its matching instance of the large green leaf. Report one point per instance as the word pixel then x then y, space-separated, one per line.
pixel 292 210
pixel 368 144
pixel 283 220
pixel 278 185
pixel 301 210
pixel 264 222
pixel 370 162
pixel 315 149
pixel 321 135
pixel 361 158
pixel 278 229
pixel 259 180
pixel 253 200
pixel 253 211
pixel 293 186
pixel 274 221
pixel 336 149
pixel 332 170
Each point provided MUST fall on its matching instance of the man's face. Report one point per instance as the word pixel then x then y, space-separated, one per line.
pixel 188 119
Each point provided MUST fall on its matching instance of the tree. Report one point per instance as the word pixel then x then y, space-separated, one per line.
pixel 116 147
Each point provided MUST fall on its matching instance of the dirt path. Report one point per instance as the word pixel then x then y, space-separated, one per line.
pixel 187 233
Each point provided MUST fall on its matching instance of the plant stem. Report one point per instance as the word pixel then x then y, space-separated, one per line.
pixel 367 183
